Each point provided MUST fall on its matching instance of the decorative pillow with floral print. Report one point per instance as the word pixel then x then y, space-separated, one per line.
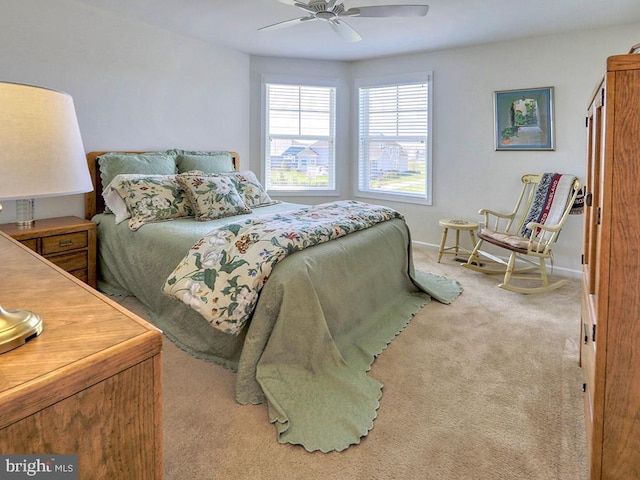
pixel 152 198
pixel 250 189
pixel 212 196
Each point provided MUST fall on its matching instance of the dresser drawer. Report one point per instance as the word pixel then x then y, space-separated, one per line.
pixel 82 275
pixel 31 244
pixel 64 242
pixel 70 261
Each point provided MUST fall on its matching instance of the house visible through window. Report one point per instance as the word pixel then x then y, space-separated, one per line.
pixel 394 154
pixel 299 133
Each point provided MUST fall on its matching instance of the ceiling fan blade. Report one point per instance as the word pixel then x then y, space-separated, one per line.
pixel 295 3
pixel 387 11
pixel 344 30
pixel 331 4
pixel 286 23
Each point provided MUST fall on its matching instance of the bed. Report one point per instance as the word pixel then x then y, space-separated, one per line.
pixel 322 317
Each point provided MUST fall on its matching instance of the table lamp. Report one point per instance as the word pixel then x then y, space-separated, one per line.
pixel 41 155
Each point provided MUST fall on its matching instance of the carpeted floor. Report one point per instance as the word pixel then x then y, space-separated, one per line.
pixel 486 388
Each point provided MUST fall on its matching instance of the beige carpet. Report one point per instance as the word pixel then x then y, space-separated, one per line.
pixel 487 388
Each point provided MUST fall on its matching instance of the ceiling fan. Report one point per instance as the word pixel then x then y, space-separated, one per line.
pixel 333 11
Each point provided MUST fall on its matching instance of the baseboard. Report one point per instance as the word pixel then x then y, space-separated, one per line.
pixel 563 271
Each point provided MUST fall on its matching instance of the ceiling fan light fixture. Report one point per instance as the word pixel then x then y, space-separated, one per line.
pixel 325 15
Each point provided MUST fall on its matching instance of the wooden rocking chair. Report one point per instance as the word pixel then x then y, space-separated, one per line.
pixel 528 232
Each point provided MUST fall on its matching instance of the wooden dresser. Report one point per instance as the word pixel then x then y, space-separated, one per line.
pixel 610 331
pixel 89 385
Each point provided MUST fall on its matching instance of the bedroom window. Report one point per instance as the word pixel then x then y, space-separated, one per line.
pixel 394 148
pixel 299 133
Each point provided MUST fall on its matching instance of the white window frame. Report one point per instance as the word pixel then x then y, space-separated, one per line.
pixel 332 188
pixel 392 80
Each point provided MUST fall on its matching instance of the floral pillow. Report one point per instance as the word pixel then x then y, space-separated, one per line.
pixel 212 196
pixel 151 198
pixel 150 163
pixel 250 189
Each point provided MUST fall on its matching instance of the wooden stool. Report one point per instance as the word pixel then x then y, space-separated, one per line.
pixel 457 225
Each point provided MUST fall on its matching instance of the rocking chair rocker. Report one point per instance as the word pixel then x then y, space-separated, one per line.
pixel 528 233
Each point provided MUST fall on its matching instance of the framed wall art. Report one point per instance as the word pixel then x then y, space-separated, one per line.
pixel 524 119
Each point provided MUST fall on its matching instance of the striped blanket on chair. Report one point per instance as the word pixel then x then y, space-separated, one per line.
pixel 550 200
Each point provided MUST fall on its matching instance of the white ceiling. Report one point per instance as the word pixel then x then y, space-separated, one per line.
pixel 449 23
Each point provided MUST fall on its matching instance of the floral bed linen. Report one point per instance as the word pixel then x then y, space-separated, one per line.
pixel 223 273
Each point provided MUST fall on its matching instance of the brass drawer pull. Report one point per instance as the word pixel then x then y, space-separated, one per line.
pixel 65 243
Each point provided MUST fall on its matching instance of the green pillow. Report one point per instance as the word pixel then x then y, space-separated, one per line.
pixel 150 163
pixel 207 162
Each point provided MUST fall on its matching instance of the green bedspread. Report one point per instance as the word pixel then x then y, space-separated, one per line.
pixel 322 318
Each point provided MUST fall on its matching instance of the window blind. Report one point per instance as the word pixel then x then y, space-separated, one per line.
pixel 393 131
pixel 300 132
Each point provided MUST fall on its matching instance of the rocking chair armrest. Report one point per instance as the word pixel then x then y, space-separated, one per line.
pixel 542 236
pixel 485 211
pixel 495 217
pixel 547 228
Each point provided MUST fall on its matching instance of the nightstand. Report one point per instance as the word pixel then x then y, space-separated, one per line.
pixel 89 385
pixel 69 242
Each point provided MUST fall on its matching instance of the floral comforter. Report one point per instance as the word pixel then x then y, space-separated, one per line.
pixel 221 276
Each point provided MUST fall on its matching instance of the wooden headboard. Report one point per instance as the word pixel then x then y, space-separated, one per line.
pixel 93 201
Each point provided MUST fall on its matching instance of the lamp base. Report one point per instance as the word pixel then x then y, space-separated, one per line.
pixel 17 327
pixel 24 213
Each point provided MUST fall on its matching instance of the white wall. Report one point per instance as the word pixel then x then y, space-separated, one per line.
pixel 468 174
pixel 135 87
pixel 140 87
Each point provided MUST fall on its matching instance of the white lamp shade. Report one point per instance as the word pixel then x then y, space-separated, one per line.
pixel 41 151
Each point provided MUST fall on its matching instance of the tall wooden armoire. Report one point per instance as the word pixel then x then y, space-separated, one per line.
pixel 610 331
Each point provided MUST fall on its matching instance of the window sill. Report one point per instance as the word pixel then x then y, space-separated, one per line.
pixel 392 197
pixel 303 193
